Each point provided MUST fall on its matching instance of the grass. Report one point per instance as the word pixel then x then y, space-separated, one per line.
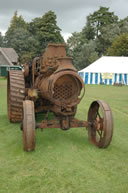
pixel 3 78
pixel 65 161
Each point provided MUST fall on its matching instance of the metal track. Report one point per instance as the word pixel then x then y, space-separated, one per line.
pixel 15 90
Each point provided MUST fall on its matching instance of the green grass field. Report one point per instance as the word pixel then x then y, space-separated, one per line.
pixel 65 161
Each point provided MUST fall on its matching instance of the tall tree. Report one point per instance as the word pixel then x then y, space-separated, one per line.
pixel 25 44
pixel 99 19
pixel 88 31
pixel 17 22
pixel 46 30
pixel 19 38
pixel 96 24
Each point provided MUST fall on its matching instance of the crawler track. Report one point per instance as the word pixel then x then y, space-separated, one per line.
pixel 15 90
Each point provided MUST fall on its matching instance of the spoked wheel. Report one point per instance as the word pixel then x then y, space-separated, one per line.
pixel 28 125
pixel 100 120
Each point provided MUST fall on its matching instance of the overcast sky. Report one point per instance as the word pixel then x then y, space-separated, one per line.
pixel 71 14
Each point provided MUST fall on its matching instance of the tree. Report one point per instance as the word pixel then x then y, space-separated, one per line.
pixel 46 30
pixel 119 46
pixel 95 27
pixel 108 34
pixel 19 38
pixel 74 43
pixel 123 25
pixel 82 52
pixel 88 32
pixel 87 55
pixel 17 22
pixel 99 19
pixel 29 39
pixel 74 46
pixel 24 44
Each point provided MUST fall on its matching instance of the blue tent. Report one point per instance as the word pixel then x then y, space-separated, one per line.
pixel 107 70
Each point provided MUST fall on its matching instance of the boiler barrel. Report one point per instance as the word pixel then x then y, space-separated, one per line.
pixel 62 87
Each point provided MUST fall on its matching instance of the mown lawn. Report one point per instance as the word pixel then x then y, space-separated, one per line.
pixel 66 162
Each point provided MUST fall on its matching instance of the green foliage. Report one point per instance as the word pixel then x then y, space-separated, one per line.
pixel 66 162
pixel 88 54
pixel 29 39
pixel 100 31
pixel 108 34
pixel 18 37
pixel 82 51
pixel 46 30
pixel 17 22
pixel 123 25
pixel 74 41
pixel 49 31
pixel 119 46
pixel 24 44
pixel 74 48
pixel 88 32
pixel 101 18
pixel 93 57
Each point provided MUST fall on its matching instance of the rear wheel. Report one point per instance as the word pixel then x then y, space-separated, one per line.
pixel 28 125
pixel 100 120
pixel 15 95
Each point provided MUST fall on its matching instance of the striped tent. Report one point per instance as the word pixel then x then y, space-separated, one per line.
pixel 107 70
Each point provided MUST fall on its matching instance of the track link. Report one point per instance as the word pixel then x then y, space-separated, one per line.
pixel 15 90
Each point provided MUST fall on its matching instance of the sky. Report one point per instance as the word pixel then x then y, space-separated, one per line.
pixel 71 14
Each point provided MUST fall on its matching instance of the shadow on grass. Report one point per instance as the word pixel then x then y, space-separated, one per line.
pixel 51 137
pixel 62 138
pixel 42 116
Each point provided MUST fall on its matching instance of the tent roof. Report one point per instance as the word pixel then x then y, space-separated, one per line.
pixel 108 64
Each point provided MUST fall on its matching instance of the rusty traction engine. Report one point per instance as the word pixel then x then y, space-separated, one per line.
pixel 51 84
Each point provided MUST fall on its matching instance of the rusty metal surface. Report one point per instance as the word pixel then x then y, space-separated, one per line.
pixel 28 125
pixel 61 88
pixel 56 80
pixel 15 95
pixel 64 123
pixel 51 84
pixel 100 120
pixel 26 70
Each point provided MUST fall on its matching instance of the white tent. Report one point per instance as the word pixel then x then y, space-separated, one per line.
pixel 106 70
